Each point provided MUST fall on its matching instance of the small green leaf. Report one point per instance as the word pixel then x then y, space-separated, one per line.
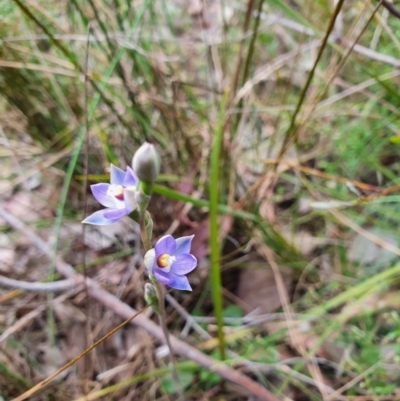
pixel 209 378
pixel 169 385
pixel 232 311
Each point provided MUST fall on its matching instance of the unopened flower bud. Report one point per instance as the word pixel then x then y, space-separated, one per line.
pixel 146 163
pixel 150 295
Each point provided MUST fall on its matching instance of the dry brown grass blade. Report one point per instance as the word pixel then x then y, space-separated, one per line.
pixel 312 171
pixel 10 295
pixel 243 383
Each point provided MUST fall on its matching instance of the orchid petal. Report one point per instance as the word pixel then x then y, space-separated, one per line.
pixel 99 191
pixel 115 214
pixel 162 277
pixel 179 282
pixel 102 217
pixel 130 199
pixel 172 280
pixel 150 259
pixel 166 245
pixel 184 264
pixel 117 175
pixel 121 205
pixel 130 178
pixel 183 244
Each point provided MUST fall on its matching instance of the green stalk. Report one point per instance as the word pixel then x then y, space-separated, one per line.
pixel 215 276
pixel 143 232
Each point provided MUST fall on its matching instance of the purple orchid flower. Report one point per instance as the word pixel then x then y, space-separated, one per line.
pixel 170 260
pixel 117 197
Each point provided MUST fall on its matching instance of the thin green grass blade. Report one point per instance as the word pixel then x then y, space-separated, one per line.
pixel 182 366
pixel 378 281
pixel 203 203
pixel 215 276
pixel 13 377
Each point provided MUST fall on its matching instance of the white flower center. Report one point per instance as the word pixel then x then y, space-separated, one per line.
pixel 116 191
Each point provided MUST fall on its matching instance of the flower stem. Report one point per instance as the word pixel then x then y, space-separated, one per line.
pixel 161 306
pixel 163 324
pixel 143 232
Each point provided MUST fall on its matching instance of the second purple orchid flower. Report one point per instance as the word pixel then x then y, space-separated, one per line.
pixel 117 197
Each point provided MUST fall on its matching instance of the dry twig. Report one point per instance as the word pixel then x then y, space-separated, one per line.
pixel 54 286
